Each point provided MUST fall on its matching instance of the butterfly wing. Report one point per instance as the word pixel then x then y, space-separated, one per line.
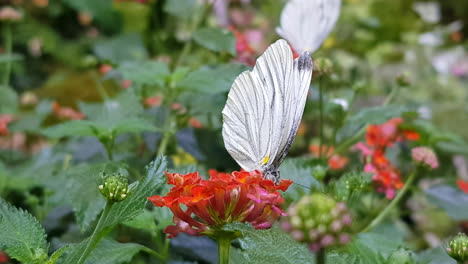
pixel 264 108
pixel 307 23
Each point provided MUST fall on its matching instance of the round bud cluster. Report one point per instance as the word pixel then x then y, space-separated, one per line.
pixel 319 221
pixel 425 156
pixel 458 248
pixel 114 187
pixel 323 66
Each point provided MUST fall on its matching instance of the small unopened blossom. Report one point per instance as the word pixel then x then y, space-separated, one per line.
pixel 4 120
pixel 426 156
pixel 114 187
pixel 10 14
pixel 322 66
pixel 403 80
pixel 203 207
pixel 458 248
pixel 195 123
pixel 305 24
pixel 318 221
pixel 29 98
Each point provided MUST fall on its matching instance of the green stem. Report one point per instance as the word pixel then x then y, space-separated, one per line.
pixel 166 135
pixel 320 257
pixel 95 237
pixel 154 253
pixel 392 204
pixel 321 116
pixel 8 50
pixel 224 247
pixel 109 146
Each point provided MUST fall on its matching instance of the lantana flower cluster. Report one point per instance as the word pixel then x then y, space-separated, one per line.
pixel 378 138
pixel 319 221
pixel 201 207
pixel 335 161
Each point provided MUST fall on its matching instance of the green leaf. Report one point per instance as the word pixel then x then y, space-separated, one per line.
pixel 136 201
pixel 296 170
pixel 146 72
pixel 212 80
pixel 101 10
pixel 4 58
pixel 8 100
pixel 113 252
pixel 216 39
pixel 126 47
pixel 453 147
pixel 435 256
pixel 57 254
pixel 77 128
pixel 371 115
pixel 21 234
pixel 181 8
pixel 270 246
pixel 453 201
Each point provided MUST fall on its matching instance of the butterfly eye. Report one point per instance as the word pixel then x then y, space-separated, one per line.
pixel 265 160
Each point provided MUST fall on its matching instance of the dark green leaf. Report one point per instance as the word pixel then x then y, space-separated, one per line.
pixel 122 48
pixel 113 252
pixel 216 39
pixel 295 170
pixel 270 246
pixel 21 235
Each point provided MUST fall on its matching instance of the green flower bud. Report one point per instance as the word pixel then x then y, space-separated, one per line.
pixel 319 172
pixel 322 66
pixel 319 221
pixel 458 248
pixel 114 187
pixel 403 80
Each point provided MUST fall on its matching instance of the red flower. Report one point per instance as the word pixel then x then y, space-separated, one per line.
pixel 386 177
pixel 335 161
pixel 4 120
pixel 463 185
pixel 245 52
pixel 64 112
pixel 3 257
pixel 224 198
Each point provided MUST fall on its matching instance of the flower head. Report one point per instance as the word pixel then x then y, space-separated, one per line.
pixel 378 138
pixel 224 198
pixel 307 23
pixel 335 161
pixel 319 221
pixel 114 187
pixel 67 113
pixel 10 14
pixel 4 120
pixel 458 248
pixel 426 156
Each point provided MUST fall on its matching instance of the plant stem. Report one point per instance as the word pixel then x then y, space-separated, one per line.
pixel 321 116
pixel 8 50
pixel 154 253
pixel 392 204
pixel 109 146
pixel 95 237
pixel 166 135
pixel 224 247
pixel 320 257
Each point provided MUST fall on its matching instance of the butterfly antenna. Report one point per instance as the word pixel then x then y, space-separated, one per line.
pixel 303 186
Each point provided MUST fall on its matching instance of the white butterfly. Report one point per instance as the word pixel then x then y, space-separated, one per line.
pixel 264 109
pixel 307 23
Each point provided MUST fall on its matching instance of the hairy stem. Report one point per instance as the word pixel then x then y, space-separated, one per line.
pixel 95 237
pixel 224 247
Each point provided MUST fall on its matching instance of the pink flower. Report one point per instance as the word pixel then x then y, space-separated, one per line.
pixel 425 155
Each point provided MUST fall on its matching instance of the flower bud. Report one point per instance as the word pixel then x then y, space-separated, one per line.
pixel 114 187
pixel 458 248
pixel 319 221
pixel 319 172
pixel 322 66
pixel 403 80
pixel 425 156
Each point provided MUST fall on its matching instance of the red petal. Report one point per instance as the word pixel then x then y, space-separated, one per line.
pixel 463 185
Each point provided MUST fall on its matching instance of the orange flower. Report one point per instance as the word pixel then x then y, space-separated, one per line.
pixel 463 185
pixel 378 137
pixel 67 113
pixel 335 161
pixel 224 198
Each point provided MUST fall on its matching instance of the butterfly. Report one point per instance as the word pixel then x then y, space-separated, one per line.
pixel 264 109
pixel 307 23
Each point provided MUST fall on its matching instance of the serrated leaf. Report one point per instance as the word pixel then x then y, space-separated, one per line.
pixel 212 80
pixel 270 246
pixel 57 254
pixel 180 8
pixel 216 39
pixel 113 252
pixel 146 72
pixel 453 201
pixel 21 234
pixel 137 199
